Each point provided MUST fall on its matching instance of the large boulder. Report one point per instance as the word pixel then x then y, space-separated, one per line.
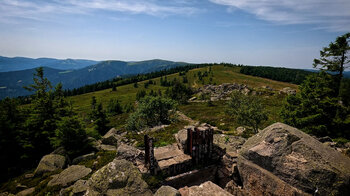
pixel 129 153
pixel 110 138
pixel 206 189
pixel 26 192
pixel 85 157
pixel 167 191
pixel 284 160
pixel 49 163
pixel 119 177
pixel 69 175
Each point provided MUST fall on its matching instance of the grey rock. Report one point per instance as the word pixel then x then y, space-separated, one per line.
pixel 50 163
pixel 286 153
pixel 84 158
pixel 167 191
pixel 26 192
pixel 119 177
pixel 69 175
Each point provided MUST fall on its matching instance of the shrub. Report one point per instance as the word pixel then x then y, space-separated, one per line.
pixel 151 111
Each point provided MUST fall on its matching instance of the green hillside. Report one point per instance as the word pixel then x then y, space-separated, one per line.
pixel 198 111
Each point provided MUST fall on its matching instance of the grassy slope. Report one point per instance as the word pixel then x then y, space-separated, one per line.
pixel 199 111
pixel 214 115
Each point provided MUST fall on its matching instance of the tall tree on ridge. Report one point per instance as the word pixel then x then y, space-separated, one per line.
pixel 335 57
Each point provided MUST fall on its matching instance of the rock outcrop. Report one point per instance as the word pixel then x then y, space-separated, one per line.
pixel 288 91
pixel 119 177
pixel 85 157
pixel 167 191
pixel 49 163
pixel 69 175
pixel 110 138
pixel 206 189
pixel 284 160
pixel 223 91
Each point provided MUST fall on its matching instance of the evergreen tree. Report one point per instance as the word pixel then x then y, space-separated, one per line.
pixel 114 107
pixel 246 110
pixel 10 138
pixel 71 135
pixel 98 116
pixel 41 124
pixel 151 111
pixel 179 92
pixel 335 58
pixel 140 94
pixel 314 109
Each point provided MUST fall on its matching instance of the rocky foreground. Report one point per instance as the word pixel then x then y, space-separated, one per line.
pixel 279 160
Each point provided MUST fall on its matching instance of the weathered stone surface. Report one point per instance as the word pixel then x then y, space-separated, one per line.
pixel 283 153
pixel 84 158
pixel 229 142
pixel 240 130
pixel 129 153
pixel 236 190
pixel 26 192
pixel 50 163
pixel 119 177
pixel 69 175
pixel 258 181
pixel 107 147
pixel 206 189
pixel 110 138
pixel 167 191
pixel 288 91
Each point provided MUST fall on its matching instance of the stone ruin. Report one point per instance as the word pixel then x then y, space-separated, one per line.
pixel 194 148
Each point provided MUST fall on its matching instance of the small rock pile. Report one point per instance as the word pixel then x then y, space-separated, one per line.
pixel 222 91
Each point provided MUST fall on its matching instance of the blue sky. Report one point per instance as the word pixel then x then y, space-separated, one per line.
pixel 288 33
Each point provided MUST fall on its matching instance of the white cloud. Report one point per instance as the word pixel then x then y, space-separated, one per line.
pixel 42 10
pixel 332 15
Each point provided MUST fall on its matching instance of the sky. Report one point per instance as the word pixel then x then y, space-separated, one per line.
pixel 283 33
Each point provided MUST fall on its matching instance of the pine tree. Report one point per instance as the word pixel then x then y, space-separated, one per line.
pixel 335 58
pixel 315 109
pixel 98 117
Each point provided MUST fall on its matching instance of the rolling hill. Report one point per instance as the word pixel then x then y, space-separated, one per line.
pixel 22 63
pixel 11 83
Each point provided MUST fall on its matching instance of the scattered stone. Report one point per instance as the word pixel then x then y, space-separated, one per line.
pixel 129 153
pixel 223 91
pixel 167 191
pixel 26 192
pixel 325 139
pixel 83 158
pixel 288 91
pixel 283 159
pixel 206 189
pixel 60 151
pixel 107 147
pixel 192 98
pixel 110 138
pixel 27 176
pixel 119 177
pixel 228 142
pixel 240 130
pixel 50 163
pixel 69 175
pixel 235 190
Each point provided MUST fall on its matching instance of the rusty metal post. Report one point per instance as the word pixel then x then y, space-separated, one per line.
pixel 151 156
pixel 146 149
pixel 189 141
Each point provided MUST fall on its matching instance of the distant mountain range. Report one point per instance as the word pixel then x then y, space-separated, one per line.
pixel 11 83
pixel 346 74
pixel 22 63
